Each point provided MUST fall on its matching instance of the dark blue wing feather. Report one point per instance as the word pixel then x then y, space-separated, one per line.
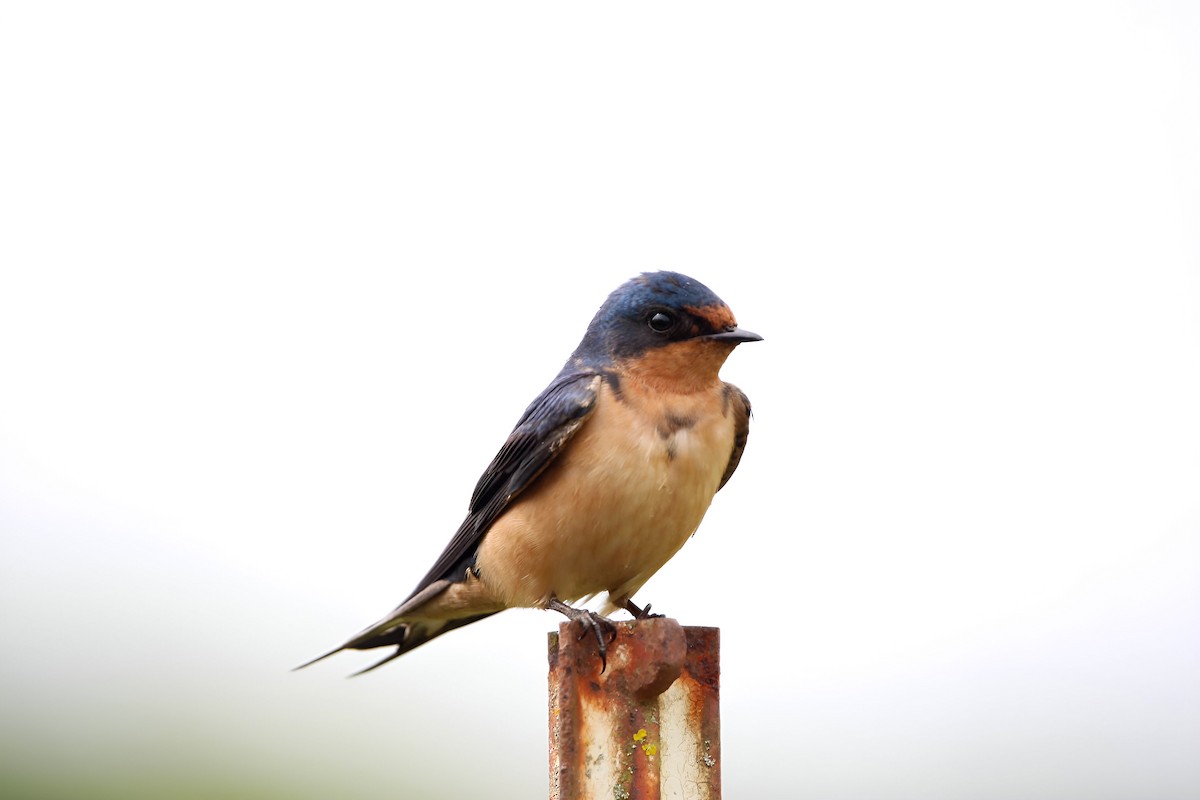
pixel 736 398
pixel 548 424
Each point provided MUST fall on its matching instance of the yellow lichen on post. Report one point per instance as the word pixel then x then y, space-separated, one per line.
pixel 645 728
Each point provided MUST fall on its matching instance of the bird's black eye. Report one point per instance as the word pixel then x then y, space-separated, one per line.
pixel 661 321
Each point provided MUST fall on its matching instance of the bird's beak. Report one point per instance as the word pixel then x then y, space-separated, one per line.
pixel 735 335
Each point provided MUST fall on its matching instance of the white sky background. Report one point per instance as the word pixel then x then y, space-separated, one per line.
pixel 277 280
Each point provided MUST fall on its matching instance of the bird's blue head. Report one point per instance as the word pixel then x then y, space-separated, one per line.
pixel 660 311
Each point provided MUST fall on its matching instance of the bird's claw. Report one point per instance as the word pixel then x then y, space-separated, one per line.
pixel 592 623
pixel 640 613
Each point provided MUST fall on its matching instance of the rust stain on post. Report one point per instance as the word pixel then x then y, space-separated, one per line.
pixel 648 727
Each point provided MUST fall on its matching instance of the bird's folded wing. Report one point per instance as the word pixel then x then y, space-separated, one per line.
pixel 548 424
pixel 741 431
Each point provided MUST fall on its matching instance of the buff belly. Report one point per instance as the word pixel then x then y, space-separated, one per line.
pixel 623 497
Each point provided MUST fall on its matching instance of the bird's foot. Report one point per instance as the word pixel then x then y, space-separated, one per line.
pixel 640 613
pixel 599 626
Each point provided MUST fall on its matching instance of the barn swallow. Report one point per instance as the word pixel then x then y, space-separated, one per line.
pixel 607 473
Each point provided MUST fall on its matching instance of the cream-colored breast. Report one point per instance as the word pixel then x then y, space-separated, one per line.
pixel 622 498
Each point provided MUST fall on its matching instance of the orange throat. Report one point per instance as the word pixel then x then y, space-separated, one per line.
pixel 680 367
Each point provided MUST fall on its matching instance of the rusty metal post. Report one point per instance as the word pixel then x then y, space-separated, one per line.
pixel 649 727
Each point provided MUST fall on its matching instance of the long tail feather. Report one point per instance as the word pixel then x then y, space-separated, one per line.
pixel 404 637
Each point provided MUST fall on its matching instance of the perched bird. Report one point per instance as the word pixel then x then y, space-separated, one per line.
pixel 607 473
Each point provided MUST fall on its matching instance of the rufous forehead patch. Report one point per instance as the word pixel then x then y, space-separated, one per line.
pixel 719 316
